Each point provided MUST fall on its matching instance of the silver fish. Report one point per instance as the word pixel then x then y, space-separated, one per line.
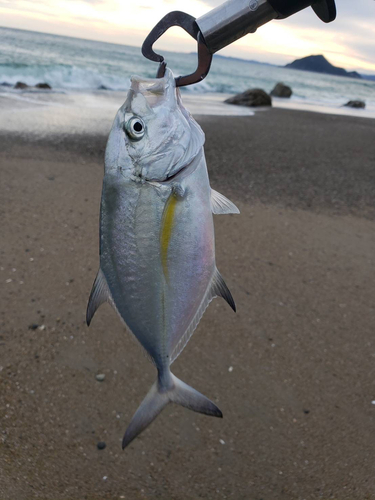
pixel 157 249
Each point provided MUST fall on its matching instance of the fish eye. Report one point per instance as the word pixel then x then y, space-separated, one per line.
pixel 135 128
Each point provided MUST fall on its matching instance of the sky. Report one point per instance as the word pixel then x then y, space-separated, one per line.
pixel 348 42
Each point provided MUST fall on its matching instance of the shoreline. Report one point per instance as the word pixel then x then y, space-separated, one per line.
pixel 69 109
pixel 323 108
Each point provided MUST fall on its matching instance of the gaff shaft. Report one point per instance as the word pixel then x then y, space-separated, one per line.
pixel 236 18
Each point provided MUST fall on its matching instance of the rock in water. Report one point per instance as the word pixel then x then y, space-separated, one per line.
pixel 43 86
pixel 251 97
pixel 281 90
pixel 21 85
pixel 356 104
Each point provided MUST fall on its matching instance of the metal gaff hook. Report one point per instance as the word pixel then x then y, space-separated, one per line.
pixel 186 22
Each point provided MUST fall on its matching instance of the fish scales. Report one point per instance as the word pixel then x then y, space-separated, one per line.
pixel 157 249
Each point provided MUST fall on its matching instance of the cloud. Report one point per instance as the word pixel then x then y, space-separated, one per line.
pixel 213 3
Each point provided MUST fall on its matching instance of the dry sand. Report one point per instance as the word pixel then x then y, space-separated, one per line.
pixel 293 371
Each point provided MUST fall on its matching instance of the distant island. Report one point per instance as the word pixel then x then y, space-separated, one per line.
pixel 319 64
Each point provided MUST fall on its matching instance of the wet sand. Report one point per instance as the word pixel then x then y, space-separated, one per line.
pixel 293 371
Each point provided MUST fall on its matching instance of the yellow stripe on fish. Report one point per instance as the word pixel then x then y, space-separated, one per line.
pixel 166 231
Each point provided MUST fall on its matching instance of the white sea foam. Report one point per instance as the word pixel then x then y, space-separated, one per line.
pixel 60 76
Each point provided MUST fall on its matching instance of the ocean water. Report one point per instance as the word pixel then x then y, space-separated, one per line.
pixel 74 65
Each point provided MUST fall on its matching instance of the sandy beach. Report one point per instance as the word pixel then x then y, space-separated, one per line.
pixel 293 371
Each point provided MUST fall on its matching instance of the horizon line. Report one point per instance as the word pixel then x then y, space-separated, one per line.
pixel 171 51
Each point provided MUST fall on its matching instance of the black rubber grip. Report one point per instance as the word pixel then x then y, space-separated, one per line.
pixel 325 9
pixel 286 8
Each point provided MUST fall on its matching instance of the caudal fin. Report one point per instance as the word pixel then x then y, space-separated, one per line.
pixel 158 397
pixel 188 397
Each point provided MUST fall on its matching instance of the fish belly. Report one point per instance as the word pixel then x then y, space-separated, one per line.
pixel 157 255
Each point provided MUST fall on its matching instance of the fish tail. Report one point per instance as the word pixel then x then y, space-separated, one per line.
pixel 188 397
pixel 149 409
pixel 167 390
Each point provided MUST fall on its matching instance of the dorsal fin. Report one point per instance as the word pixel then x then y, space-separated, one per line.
pixel 98 295
pixel 221 205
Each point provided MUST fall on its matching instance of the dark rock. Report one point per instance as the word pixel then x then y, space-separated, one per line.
pixel 319 64
pixel 43 86
pixel 281 90
pixel 21 85
pixel 103 87
pixel 101 445
pixel 6 84
pixel 33 326
pixel 251 97
pixel 306 412
pixel 356 104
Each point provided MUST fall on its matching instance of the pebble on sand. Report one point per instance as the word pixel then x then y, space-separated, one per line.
pixel 101 445
pixel 100 377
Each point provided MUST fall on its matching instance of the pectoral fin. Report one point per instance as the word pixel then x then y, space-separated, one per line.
pixel 99 294
pixel 221 205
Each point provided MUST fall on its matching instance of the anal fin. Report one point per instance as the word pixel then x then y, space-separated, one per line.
pixel 221 205
pixel 99 294
pixel 220 289
pixel 216 288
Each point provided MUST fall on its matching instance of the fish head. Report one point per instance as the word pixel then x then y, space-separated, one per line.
pixel 153 136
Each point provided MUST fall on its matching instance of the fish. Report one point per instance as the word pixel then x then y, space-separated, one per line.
pixel 157 248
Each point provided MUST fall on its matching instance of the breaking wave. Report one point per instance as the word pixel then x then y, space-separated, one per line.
pixel 61 76
pixel 70 77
